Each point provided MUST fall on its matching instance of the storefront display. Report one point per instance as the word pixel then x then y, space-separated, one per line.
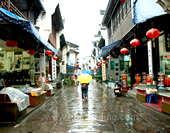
pixel 160 99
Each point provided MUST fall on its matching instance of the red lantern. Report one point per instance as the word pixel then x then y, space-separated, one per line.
pixel 48 52
pixel 124 50
pixel 122 1
pixel 97 67
pixel 104 62
pixel 31 51
pixel 77 65
pixel 153 33
pixel 107 57
pixel 135 42
pixel 11 43
pixel 55 57
pixel 99 64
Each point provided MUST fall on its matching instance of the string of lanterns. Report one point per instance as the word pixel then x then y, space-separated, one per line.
pixel 152 34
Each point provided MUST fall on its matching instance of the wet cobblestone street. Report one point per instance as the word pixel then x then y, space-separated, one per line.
pixel 102 112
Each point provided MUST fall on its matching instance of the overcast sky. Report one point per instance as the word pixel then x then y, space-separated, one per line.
pixel 82 18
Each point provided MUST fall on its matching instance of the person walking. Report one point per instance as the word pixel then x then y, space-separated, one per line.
pixel 84 91
pixel 42 80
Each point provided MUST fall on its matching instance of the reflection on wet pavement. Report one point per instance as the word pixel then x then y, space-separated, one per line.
pixel 102 112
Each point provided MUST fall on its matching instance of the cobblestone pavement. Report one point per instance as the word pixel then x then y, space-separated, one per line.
pixel 102 112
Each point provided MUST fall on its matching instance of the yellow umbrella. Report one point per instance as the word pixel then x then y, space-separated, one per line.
pixel 84 78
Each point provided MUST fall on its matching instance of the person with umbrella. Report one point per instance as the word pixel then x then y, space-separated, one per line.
pixel 84 91
pixel 84 79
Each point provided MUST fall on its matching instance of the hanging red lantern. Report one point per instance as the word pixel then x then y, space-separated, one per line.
pixel 104 62
pixel 124 50
pixel 77 65
pixel 31 51
pixel 55 57
pixel 108 57
pixel 11 43
pixel 48 52
pixel 122 1
pixel 135 42
pixel 99 64
pixel 153 33
pixel 97 67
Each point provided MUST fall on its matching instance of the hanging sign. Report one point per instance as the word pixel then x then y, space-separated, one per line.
pixel 150 57
pixel 104 71
pixel 53 69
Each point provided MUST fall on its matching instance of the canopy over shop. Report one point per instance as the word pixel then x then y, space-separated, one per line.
pixel 16 28
pixel 27 37
pixel 106 49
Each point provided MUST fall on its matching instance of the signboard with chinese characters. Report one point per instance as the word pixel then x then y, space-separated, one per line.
pixel 150 57
pixel 104 71
pixel 53 69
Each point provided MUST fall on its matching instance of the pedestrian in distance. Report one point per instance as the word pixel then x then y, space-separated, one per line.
pixel 84 91
pixel 42 80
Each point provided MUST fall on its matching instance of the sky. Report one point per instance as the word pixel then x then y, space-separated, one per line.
pixel 82 19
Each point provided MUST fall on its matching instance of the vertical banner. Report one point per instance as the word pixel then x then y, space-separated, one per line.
pixel 150 57
pixel 53 69
pixel 104 71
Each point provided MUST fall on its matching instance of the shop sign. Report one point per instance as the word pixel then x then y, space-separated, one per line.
pixel 104 71
pixel 150 57
pixel 53 69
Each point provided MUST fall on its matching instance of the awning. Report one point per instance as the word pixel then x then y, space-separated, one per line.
pixel 145 9
pixel 72 67
pixel 21 30
pixel 106 50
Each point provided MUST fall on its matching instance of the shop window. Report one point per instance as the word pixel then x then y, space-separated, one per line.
pixel 128 5
pixel 121 65
pixel 124 10
pixel 165 67
pixel 120 16
pixel 112 65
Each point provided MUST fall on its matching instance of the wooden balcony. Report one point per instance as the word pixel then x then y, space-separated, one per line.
pixel 7 4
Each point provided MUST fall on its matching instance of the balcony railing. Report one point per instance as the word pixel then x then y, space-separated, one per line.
pixel 7 4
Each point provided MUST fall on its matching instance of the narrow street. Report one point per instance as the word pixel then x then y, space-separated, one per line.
pixel 102 112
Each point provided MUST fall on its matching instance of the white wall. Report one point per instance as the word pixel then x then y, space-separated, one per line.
pixel 71 59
